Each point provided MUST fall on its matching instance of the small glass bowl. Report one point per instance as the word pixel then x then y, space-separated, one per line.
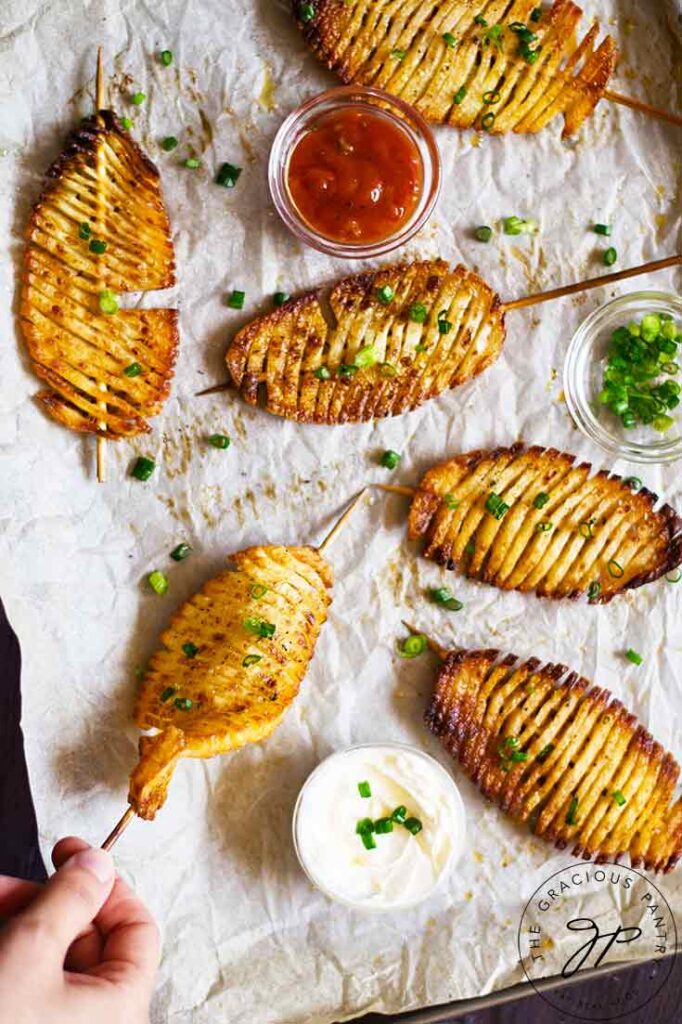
pixel 583 374
pixel 456 810
pixel 390 106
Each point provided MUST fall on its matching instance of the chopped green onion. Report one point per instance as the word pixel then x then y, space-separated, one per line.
pixel 519 226
pixel 400 814
pixel 251 659
pixel 107 302
pixel 221 441
pixel 633 482
pixel 413 825
pixel 518 756
pixel 385 294
pixel 192 163
pixel 571 818
pixel 469 547
pixel 98 246
pixel 388 370
pixel 167 694
pixel 444 325
pixel 544 527
pixel 495 506
pixel 413 646
pixel 459 95
pixel 127 123
pixel 594 590
pixel 544 753
pixel 610 256
pixel 536 14
pixel 382 826
pixel 166 58
pixel 134 370
pixel 449 39
pixel 480 20
pixel 84 230
pixel 494 35
pixel 398 53
pixel 169 143
pixel 183 703
pixel 346 370
pixel 143 468
pixel 365 826
pixel 509 742
pixel 137 99
pixel 674 578
pixel 365 790
pixel 421 348
pixel 585 529
pixel 190 650
pixel 279 298
pixel 615 569
pixel 619 798
pixel 488 120
pixel 259 627
pixel 365 356
pixel 228 175
pixel 181 552
pixel 235 299
pixel 662 423
pixel 633 656
pixel 368 841
pixel 390 459
pixel 306 12
pixel 322 373
pixel 492 96
pixel 484 233
pixel 450 501
pixel 541 500
pixel 257 590
pixel 158 581
pixel 602 229
pixel 418 313
pixel 443 596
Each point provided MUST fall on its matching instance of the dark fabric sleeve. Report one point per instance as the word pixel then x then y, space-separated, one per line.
pixel 19 851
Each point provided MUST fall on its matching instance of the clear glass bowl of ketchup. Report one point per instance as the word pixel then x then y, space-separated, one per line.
pixel 354 172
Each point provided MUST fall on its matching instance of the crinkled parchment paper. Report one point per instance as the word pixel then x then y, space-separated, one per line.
pixel 246 939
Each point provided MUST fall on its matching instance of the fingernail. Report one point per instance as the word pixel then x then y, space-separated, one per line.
pixel 97 862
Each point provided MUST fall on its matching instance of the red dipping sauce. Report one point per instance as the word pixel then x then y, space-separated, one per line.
pixel 355 175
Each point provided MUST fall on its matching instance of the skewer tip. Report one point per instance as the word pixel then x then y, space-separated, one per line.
pixel 119 828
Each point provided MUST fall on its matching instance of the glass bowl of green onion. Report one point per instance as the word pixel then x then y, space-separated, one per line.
pixel 623 377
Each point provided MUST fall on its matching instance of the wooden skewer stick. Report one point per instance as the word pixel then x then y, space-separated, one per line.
pixel 99 103
pixel 594 282
pixel 644 108
pixel 119 828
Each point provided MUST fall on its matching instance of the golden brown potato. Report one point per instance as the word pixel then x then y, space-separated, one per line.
pixel 370 358
pixel 551 749
pixel 531 519
pixel 434 55
pixel 102 189
pixel 230 663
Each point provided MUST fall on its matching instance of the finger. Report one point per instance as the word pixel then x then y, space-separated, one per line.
pixel 131 939
pixel 85 951
pixel 15 894
pixel 69 902
pixel 66 848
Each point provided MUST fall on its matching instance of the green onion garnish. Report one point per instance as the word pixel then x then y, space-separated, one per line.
pixel 633 656
pixel 167 694
pixel 365 790
pixel 571 818
pixel 143 468
pixel 459 95
pixel 279 298
pixel 470 547
pixel 98 246
pixel 413 646
pixel 137 99
pixel 183 703
pixel 610 256
pixel 418 313
pixel 602 229
pixel 544 527
pixel 544 753
pixel 492 96
pixel 219 441
pixel 413 825
pixel 449 39
pixel 633 482
pixel 383 825
pixel 259 627
pixel 365 356
pixel 251 659
pixel 585 529
pixel 107 302
pixel 443 596
pixel 228 175
pixel 444 325
pixel 400 814
pixel 257 590
pixel 536 14
pixel 365 826
pixel 166 58
pixel 483 233
pixel 488 120
pixel 619 798
pixel 495 506
pixel 191 163
pixel 398 53
pixel 181 552
pixel 390 459
pixel 615 569
pixel 169 143
pixel 127 123
pixel 134 370
pixel 322 373
pixel 519 226
pixel 346 370
pixel 480 20
pixel 158 581
pixel 388 370
pixel 368 841
pixel 306 12
pixel 518 755
pixel 674 577
pixel 235 300
pixel 541 500
pixel 190 650
pixel 385 294
pixel 594 590
pixel 84 230
pixel 450 501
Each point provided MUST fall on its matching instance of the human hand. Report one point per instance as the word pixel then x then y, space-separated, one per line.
pixel 81 948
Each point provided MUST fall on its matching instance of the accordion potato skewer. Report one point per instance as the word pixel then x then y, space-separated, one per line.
pixel 494 66
pixel 99 227
pixel 533 519
pixel 230 663
pixel 390 340
pixel 99 224
pixel 553 750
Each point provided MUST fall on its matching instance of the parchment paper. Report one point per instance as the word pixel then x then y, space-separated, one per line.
pixel 246 939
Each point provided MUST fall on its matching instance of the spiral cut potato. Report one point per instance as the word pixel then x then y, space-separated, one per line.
pixel 467 63
pixel 532 519
pixel 102 190
pixel 551 749
pixel 392 339
pixel 230 664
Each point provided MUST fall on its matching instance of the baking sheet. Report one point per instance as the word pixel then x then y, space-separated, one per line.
pixel 245 937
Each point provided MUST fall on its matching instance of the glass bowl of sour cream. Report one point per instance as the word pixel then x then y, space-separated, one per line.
pixel 378 826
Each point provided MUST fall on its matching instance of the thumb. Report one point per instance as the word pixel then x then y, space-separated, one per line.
pixel 68 903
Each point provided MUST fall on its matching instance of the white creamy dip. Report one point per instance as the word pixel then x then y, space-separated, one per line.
pixel 403 868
